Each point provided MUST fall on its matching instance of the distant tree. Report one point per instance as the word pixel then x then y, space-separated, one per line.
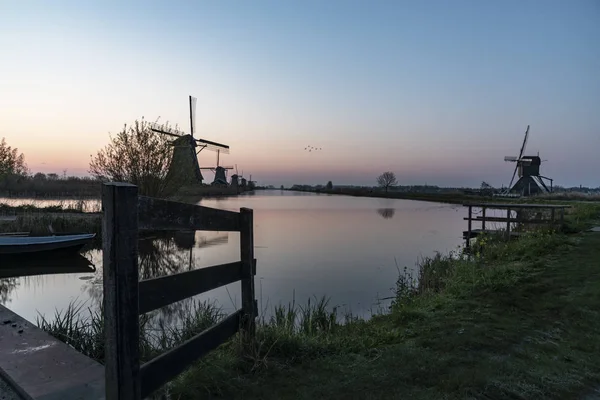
pixel 40 176
pixel 282 188
pixel 135 155
pixel 329 185
pixel 53 177
pixel 11 161
pixel 386 180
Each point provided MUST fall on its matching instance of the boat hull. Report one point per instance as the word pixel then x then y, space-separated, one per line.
pixel 43 244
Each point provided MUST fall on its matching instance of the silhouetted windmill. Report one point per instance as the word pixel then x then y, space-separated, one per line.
pixel 184 166
pixel 219 171
pixel 528 169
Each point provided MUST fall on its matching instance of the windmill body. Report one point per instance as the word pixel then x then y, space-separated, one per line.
pixel 219 171
pixel 184 168
pixel 527 169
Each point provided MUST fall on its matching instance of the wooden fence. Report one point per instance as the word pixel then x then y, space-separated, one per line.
pixel 124 215
pixel 509 219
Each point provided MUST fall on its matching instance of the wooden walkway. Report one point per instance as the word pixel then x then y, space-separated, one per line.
pixel 477 232
pixel 509 220
pixel 38 366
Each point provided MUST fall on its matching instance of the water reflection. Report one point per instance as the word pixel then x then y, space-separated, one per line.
pixel 7 285
pixel 24 267
pixel 158 255
pixel 386 213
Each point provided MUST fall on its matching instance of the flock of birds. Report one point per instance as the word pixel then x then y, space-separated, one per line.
pixel 311 149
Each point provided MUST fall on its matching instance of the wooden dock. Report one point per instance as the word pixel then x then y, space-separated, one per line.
pixel 38 366
pixel 556 218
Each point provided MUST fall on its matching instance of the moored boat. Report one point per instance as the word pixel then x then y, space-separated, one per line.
pixel 15 245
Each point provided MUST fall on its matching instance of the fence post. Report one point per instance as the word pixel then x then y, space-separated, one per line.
pixel 247 258
pixel 483 218
pixel 120 302
pixel 508 223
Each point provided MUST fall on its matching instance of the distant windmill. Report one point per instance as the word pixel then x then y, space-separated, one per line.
pixel 220 171
pixel 528 169
pixel 184 166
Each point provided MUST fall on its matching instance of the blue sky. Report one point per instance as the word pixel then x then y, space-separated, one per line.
pixel 436 91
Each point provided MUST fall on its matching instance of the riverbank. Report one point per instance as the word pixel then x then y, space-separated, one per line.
pixel 455 197
pixel 518 319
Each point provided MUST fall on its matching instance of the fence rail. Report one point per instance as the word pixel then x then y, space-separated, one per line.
pixel 125 298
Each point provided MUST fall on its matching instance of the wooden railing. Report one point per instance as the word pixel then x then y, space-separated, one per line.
pixel 124 215
pixel 509 219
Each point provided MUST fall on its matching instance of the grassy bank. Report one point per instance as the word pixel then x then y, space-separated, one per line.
pixel 454 197
pixel 515 319
pixel 71 206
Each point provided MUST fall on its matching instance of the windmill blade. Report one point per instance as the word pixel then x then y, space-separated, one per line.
pixel 511 158
pixel 214 146
pixel 524 143
pixel 165 130
pixel 192 115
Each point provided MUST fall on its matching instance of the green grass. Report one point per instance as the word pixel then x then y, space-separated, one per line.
pixel 515 319
pixel 46 224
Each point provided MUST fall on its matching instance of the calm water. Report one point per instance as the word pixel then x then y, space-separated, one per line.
pixel 346 248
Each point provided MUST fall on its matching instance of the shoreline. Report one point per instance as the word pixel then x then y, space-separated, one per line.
pixel 448 197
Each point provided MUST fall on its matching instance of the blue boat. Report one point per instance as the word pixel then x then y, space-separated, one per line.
pixel 17 245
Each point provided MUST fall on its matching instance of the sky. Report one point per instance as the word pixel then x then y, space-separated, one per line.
pixel 436 91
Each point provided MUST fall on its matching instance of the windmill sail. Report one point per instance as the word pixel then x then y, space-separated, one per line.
pixel 192 115
pixel 519 158
pixel 222 148
pixel 165 130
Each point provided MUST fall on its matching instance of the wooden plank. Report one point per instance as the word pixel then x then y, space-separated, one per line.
pixel 120 301
pixel 503 219
pixel 247 256
pixel 159 214
pixel 514 206
pixel 167 366
pixel 159 292
pixel 477 232
pixel 39 366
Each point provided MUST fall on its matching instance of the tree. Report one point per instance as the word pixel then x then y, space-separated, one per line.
pixel 136 155
pixel 11 161
pixel 386 180
pixel 53 176
pixel 40 176
pixel 329 185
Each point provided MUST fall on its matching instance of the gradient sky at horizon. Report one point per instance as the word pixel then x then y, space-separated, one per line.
pixel 436 91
